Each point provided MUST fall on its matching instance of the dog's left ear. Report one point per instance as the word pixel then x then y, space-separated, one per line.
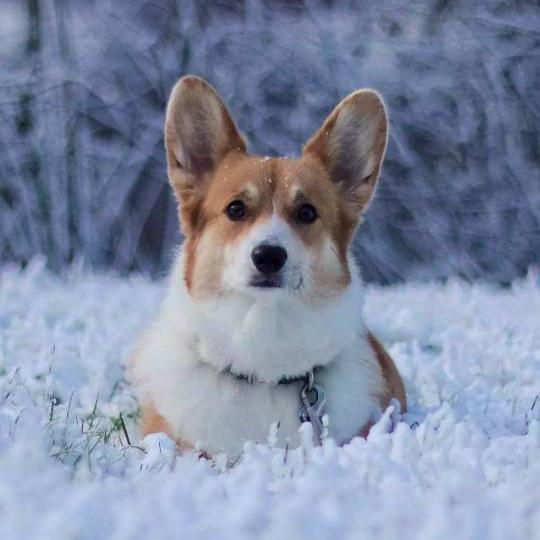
pixel 351 145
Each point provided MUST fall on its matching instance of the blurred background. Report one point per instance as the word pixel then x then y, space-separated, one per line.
pixel 83 88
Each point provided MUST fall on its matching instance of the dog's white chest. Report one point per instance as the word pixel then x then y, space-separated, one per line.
pixel 234 412
pixel 219 413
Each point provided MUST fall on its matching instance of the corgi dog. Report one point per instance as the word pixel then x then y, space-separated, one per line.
pixel 261 323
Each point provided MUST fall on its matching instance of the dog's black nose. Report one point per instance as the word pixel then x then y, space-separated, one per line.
pixel 268 259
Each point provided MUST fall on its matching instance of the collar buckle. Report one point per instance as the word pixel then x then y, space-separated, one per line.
pixel 313 399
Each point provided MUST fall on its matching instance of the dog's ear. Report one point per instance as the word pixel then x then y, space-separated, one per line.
pixel 351 145
pixel 199 133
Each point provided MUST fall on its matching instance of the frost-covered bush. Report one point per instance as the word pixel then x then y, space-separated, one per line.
pixel 82 170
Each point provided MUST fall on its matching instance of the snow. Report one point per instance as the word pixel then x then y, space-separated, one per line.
pixel 463 463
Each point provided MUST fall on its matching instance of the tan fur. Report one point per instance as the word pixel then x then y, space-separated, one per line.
pixel 394 384
pixel 153 422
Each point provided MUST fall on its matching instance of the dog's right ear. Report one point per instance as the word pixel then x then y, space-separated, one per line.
pixel 199 133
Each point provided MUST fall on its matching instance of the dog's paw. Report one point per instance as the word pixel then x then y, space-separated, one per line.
pixel 160 452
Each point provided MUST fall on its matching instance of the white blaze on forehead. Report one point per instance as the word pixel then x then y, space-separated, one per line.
pixel 294 189
pixel 275 230
pixel 251 190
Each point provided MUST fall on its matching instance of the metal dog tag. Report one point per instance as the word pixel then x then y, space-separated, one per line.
pixel 313 398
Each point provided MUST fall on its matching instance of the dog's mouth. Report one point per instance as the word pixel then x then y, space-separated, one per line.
pixel 266 282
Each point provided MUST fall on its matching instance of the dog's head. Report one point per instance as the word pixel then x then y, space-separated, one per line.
pixel 261 226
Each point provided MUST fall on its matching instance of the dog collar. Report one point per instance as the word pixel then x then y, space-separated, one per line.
pixel 252 379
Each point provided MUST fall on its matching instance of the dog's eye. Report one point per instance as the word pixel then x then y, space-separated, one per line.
pixel 236 210
pixel 306 213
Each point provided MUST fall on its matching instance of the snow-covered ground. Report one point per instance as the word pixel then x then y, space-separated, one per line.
pixel 464 463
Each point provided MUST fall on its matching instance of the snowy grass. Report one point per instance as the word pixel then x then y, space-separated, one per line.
pixel 462 464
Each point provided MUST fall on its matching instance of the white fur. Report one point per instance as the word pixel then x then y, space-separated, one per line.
pixel 269 335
